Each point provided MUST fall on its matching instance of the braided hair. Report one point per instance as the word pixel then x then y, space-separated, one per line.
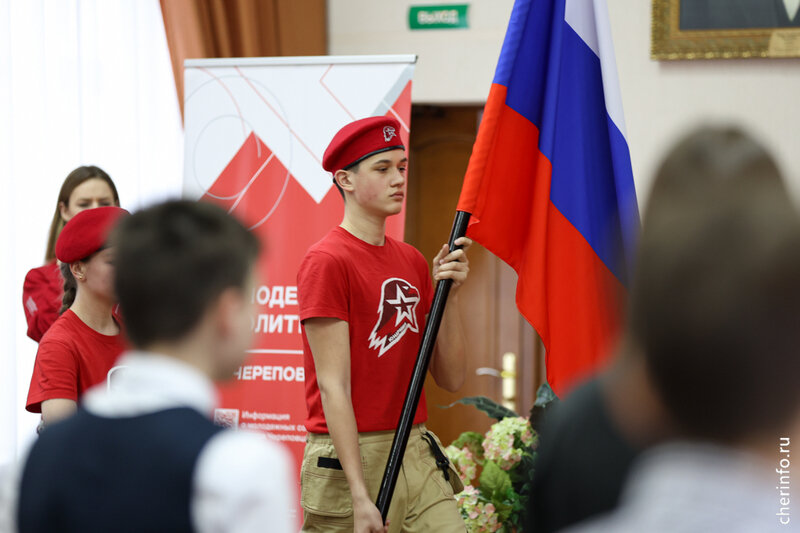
pixel 70 288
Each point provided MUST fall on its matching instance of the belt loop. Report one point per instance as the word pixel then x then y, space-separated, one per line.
pixel 441 459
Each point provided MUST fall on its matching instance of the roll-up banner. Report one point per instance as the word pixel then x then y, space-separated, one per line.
pixel 256 129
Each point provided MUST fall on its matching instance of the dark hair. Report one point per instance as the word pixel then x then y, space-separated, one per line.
pixel 715 304
pixel 70 288
pixel 73 180
pixel 172 261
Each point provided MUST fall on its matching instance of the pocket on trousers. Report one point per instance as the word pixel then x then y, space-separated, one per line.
pixel 455 479
pixel 325 491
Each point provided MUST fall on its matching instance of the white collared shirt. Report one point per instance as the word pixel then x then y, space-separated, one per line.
pixel 243 482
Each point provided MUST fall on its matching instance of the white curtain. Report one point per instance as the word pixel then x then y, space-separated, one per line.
pixel 81 82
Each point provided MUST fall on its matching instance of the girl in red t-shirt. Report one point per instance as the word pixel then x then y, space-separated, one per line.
pixel 84 188
pixel 84 342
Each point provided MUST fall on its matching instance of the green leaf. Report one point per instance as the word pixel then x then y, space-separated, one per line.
pixel 494 481
pixel 503 510
pixel 544 395
pixel 490 407
pixel 517 515
pixel 468 438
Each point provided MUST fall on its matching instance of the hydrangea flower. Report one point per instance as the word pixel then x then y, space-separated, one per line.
pixel 504 456
pixel 502 439
pixel 467 499
pixel 479 515
pixel 464 462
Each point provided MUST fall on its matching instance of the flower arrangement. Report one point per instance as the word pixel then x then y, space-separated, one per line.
pixel 497 468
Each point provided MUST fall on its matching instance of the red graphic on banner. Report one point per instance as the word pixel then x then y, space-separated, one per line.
pixel 267 392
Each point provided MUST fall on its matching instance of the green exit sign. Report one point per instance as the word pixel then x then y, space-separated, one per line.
pixel 438 17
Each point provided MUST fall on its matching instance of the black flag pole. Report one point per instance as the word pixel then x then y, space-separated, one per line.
pixel 418 377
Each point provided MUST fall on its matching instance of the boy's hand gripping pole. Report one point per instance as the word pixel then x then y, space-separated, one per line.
pixel 418 377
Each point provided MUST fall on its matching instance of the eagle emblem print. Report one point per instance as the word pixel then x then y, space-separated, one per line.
pixel 397 314
pixel 389 133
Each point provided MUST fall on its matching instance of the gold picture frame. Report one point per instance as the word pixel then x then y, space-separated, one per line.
pixel 669 42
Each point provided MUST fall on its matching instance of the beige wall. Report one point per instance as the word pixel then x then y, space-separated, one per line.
pixel 454 66
pixel 661 99
pixel 664 98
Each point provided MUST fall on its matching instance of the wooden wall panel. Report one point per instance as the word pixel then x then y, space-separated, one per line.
pixel 441 143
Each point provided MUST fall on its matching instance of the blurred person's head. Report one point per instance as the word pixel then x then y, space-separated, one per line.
pixel 184 272
pixel 85 187
pixel 715 304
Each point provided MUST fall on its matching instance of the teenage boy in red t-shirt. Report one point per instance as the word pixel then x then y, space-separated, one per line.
pixel 363 301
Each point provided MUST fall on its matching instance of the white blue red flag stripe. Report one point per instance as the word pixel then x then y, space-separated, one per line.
pixel 549 184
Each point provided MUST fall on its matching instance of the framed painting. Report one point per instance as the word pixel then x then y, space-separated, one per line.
pixel 711 29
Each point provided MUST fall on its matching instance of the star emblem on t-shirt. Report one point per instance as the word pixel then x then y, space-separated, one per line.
pixel 404 305
pixel 399 300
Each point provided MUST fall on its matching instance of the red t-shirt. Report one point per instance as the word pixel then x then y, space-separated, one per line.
pixel 72 357
pixel 41 298
pixel 383 293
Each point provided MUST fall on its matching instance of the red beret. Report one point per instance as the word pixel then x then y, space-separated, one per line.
pixel 86 233
pixel 361 139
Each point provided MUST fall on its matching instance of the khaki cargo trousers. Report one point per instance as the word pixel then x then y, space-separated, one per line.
pixel 423 500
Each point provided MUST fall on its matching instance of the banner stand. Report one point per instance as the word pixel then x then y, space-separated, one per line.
pixel 255 132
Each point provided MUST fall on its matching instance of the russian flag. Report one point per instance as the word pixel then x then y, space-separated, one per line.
pixel 549 183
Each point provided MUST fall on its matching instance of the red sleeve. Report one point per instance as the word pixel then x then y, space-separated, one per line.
pixel 40 303
pixel 55 375
pixel 322 288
